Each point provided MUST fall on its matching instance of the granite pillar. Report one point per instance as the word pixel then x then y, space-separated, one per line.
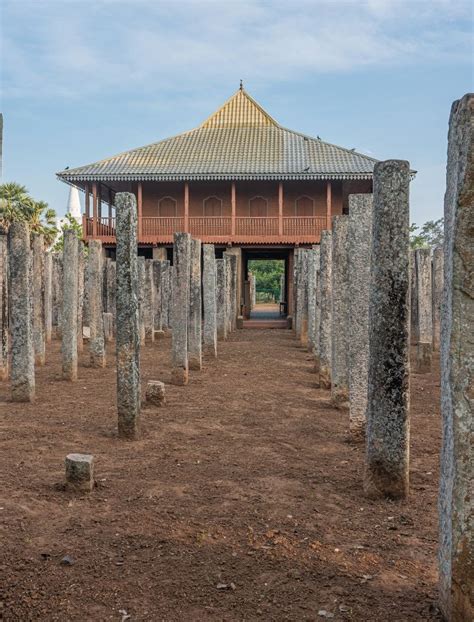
pixel 221 298
pixel 456 498
pixel 94 283
pixel 340 313
pixel 323 361
pixel 80 294
pixel 20 289
pixel 359 249
pixel 195 308
pixel 70 304
pixel 149 302
pixel 437 284
pixel 38 300
pixel 209 300
pixel 48 297
pixel 423 304
pixel 141 298
pixel 128 338
pixel 180 308
pixel 387 428
pixel 4 323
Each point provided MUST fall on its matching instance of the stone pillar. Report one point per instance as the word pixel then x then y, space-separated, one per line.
pixel 195 308
pixel 232 290
pixel 414 326
pixel 302 296
pixel 423 304
pixel 323 362
pixel 57 292
pixel 70 304
pixel 80 472
pixel 180 308
pixel 22 372
pixel 80 294
pixel 236 272
pixel 128 339
pixel 108 323
pixel 3 307
pixel 228 291
pixel 149 301
pixel 111 289
pixel 48 297
pixel 38 300
pixel 157 270
pixel 387 429
pixel 437 280
pixel 94 283
pixel 317 311
pixel 359 249
pixel 340 313
pixel 296 271
pixel 282 288
pixel 456 498
pixel 141 298
pixel 221 298
pixel 313 268
pixel 160 253
pixel 165 283
pixel 253 291
pixel 209 300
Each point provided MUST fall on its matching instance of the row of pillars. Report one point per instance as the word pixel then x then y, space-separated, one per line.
pixel 361 298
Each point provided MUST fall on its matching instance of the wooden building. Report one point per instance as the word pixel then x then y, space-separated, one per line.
pixel 239 180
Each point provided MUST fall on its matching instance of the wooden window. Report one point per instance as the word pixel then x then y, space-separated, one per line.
pixel 212 206
pixel 304 206
pixel 258 207
pixel 167 207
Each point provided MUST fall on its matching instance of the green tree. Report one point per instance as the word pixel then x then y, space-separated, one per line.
pixel 69 224
pixel 267 274
pixel 431 234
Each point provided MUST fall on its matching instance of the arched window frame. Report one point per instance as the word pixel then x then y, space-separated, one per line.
pixel 168 198
pixel 259 196
pixel 304 196
pixel 212 196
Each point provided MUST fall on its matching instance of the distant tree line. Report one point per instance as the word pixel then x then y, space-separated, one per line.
pixel 430 234
pixel 267 274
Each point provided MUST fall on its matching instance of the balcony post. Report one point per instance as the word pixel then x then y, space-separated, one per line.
pixel 233 209
pixel 110 207
pixel 280 208
pixel 186 207
pixel 328 205
pixel 87 201
pixel 140 210
pixel 94 209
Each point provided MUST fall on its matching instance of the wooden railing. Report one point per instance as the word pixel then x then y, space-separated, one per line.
pixel 294 229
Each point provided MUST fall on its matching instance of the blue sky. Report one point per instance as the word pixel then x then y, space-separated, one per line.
pixel 83 80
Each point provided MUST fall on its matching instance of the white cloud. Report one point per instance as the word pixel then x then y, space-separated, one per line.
pixel 70 48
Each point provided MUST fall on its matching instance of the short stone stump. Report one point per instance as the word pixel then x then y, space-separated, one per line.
pixel 423 357
pixel 155 393
pixel 80 472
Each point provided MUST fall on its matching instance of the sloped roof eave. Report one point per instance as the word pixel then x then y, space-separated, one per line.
pixel 213 176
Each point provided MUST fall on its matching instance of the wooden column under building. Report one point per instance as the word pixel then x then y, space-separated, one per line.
pixel 186 207
pixel 110 208
pixel 328 205
pixel 233 208
pixel 280 208
pixel 94 209
pixel 140 209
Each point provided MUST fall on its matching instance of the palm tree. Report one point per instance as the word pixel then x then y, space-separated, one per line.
pixel 42 220
pixel 14 203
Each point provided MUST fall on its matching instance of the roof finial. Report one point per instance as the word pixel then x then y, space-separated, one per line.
pixel 241 88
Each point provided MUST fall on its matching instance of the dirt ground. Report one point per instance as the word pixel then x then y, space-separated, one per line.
pixel 242 501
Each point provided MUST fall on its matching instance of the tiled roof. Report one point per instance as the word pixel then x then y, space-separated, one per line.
pixel 239 141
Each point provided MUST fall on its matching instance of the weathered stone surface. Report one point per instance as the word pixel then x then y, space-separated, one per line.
pixel 235 254
pixel 111 289
pixel 22 372
pixel 221 298
pixel 414 326
pixel 311 289
pixel 149 302
pixel 38 300
pixel 48 297
pixel 108 321
pixel 437 284
pixel 157 295
pixel 302 296
pixel 195 308
pixel 231 289
pixel 141 271
pixel 128 339
pixel 359 249
pixel 180 308
pixel 340 313
pixel 165 294
pixel 155 393
pixel 57 289
pixel 209 300
pixel 423 357
pixel 423 294
pixel 323 361
pixel 80 472
pixel 387 430
pixel 80 294
pixel 296 271
pixel 456 500
pixel 4 324
pixel 70 304
pixel 253 291
pixel 94 284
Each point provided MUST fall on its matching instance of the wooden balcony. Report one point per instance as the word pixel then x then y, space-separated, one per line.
pixel 243 230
